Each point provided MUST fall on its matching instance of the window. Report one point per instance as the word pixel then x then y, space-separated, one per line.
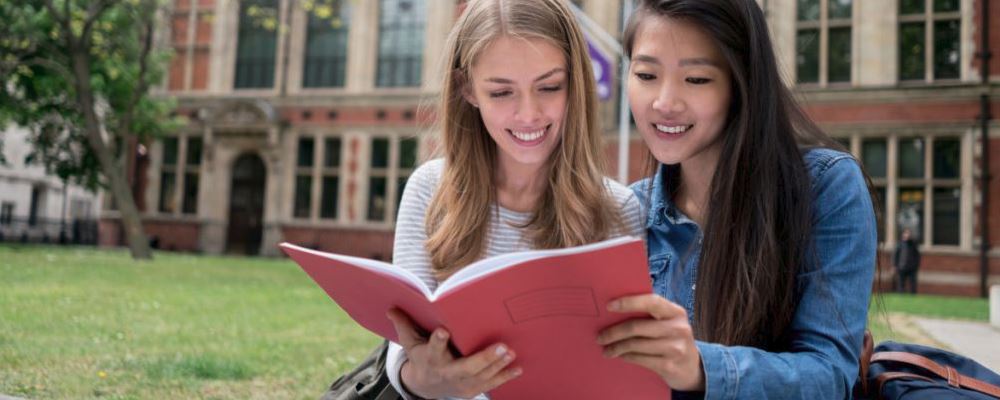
pixel 400 42
pixel 323 174
pixel 326 45
pixel 303 177
pixel 256 45
pixel 179 177
pixel 392 162
pixel 926 180
pixel 929 34
pixel 168 176
pixel 6 213
pixel 823 41
pixel 331 179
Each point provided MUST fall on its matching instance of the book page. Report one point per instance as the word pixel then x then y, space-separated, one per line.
pixel 491 265
pixel 379 267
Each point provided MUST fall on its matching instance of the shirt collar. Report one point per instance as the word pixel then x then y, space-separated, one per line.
pixel 660 201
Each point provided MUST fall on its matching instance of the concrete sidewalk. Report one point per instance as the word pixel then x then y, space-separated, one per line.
pixel 979 341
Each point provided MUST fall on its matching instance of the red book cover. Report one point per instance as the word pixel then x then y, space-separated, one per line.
pixel 547 305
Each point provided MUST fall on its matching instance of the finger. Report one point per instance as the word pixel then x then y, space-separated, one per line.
pixel 405 329
pixel 641 346
pixel 653 363
pixel 437 346
pixel 476 363
pixel 501 378
pixel 652 304
pixel 642 328
pixel 489 373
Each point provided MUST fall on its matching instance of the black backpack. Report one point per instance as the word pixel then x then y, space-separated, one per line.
pixel 367 381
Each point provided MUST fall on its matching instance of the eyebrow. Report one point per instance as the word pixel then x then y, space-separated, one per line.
pixel 553 71
pixel 686 62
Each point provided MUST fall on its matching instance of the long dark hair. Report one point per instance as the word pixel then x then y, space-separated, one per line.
pixel 758 232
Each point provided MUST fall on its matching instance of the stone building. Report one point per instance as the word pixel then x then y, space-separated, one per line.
pixel 307 134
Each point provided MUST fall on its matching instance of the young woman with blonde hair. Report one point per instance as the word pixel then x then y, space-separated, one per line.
pixel 522 169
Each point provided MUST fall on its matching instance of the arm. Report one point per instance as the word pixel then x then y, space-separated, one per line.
pixel 821 359
pixel 828 327
pixel 420 365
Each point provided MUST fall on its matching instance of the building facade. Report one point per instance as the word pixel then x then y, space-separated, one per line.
pixel 303 126
pixel 38 207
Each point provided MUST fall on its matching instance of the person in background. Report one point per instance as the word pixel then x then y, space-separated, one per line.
pixel 906 261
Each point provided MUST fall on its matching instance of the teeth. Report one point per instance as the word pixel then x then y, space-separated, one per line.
pixel 672 129
pixel 528 136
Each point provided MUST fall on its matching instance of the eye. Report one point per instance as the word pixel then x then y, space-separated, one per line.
pixel 644 76
pixel 554 88
pixel 499 94
pixel 698 81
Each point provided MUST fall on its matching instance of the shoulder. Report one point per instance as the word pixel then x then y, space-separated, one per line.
pixel 426 177
pixel 837 181
pixel 629 206
pixel 827 164
pixel 623 195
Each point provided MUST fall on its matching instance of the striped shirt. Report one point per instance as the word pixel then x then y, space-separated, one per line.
pixel 505 234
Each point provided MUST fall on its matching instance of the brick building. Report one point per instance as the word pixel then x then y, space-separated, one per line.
pixel 307 134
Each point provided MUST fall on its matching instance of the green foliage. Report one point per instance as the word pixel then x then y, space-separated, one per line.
pixel 40 91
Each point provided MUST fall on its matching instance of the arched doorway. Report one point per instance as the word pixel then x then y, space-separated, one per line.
pixel 246 205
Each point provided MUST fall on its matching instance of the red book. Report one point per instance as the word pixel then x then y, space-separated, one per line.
pixel 546 305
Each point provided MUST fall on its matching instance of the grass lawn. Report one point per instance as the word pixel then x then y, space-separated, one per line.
pixel 79 323
pixel 898 307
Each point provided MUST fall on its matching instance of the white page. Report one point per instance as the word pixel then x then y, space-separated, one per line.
pixel 491 265
pixel 373 265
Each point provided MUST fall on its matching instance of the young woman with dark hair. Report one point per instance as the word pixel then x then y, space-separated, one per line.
pixel 761 235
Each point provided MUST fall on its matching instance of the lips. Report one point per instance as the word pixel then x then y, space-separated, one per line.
pixel 529 137
pixel 672 129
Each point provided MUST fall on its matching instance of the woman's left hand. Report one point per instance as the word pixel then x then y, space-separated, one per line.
pixel 663 343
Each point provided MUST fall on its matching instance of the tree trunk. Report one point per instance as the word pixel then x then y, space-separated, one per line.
pixel 131 222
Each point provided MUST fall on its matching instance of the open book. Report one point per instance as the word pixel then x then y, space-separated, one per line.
pixel 546 305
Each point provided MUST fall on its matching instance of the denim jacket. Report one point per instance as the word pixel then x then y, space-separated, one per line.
pixel 828 326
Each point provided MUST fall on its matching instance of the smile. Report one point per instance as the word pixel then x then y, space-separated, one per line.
pixel 529 136
pixel 674 129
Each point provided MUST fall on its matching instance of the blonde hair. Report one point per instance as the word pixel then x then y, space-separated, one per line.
pixel 576 207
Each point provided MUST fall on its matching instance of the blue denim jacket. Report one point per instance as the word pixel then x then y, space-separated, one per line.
pixel 822 360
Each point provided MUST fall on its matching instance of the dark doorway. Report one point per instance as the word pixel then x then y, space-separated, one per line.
pixel 246 205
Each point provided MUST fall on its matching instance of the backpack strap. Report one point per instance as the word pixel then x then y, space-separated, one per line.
pixel 888 376
pixel 945 372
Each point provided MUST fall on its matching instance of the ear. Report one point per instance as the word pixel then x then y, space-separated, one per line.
pixel 465 87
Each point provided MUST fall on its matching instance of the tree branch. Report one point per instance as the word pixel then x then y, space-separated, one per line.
pixel 141 84
pixel 94 14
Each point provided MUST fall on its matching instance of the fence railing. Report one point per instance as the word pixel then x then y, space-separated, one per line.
pixel 49 230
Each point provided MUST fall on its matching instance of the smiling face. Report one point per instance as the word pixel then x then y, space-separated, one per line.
pixel 519 86
pixel 679 88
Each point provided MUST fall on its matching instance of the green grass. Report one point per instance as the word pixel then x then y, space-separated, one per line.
pixel 82 323
pixel 929 306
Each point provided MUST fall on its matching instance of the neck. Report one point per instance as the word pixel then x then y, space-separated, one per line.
pixel 696 179
pixel 519 186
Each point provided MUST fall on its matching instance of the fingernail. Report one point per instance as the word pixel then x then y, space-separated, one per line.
pixel 614 306
pixel 518 372
pixel 441 334
pixel 501 350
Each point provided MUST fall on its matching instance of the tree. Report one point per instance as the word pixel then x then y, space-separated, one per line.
pixel 77 74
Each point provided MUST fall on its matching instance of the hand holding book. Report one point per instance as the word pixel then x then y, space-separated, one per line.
pixel 547 306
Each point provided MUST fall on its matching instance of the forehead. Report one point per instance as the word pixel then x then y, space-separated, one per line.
pixel 511 56
pixel 670 39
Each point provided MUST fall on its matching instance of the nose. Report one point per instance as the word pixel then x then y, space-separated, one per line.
pixel 669 100
pixel 529 110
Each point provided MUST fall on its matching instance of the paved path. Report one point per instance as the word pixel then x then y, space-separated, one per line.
pixel 979 341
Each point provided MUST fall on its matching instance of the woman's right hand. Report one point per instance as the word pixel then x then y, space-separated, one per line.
pixel 431 371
